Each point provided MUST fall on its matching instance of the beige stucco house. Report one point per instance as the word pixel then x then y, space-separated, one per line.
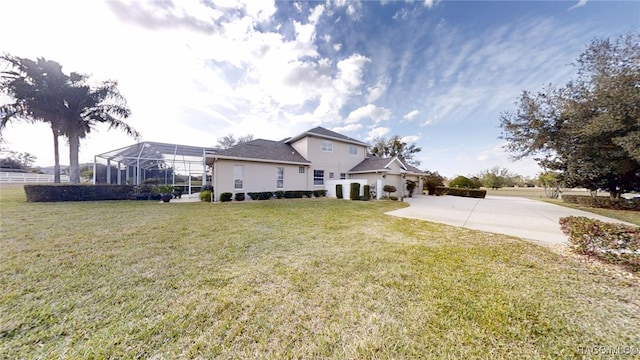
pixel 317 159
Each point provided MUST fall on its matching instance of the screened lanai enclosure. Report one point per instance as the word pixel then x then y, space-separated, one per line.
pixel 153 162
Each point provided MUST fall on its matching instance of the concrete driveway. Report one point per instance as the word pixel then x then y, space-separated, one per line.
pixel 517 216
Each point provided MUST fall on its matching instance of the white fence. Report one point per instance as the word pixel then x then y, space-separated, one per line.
pixel 21 178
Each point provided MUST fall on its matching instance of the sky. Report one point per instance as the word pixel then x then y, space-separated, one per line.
pixel 436 73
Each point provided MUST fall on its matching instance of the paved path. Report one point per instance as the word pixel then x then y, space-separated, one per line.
pixel 517 216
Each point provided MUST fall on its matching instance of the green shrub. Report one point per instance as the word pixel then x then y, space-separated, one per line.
pixel 440 190
pixel 389 189
pixel 354 193
pixel 52 193
pixel 297 194
pixel 206 187
pixel 463 182
pixel 394 198
pixel 226 196
pixel 603 202
pixel 339 191
pixel 206 195
pixel 264 195
pixel 239 197
pixel 411 187
pixel 473 193
pixel 367 193
pixel 570 199
pixel 279 194
pixel 319 193
pixel 613 243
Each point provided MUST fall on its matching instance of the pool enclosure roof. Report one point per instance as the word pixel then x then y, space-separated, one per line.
pixel 148 154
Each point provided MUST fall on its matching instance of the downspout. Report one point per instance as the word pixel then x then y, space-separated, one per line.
pixel 95 161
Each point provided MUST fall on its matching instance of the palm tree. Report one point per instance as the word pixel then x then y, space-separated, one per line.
pixel 84 107
pixel 35 87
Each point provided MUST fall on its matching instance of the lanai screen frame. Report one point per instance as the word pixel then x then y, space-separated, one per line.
pixel 147 155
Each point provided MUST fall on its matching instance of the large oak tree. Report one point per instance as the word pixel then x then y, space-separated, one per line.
pixel 589 129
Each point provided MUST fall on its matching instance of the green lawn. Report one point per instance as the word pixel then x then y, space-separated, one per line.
pixel 315 278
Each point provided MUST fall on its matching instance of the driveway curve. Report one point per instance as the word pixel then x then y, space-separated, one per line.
pixel 516 216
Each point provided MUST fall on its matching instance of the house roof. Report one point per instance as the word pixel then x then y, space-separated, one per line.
pixel 327 134
pixel 373 164
pixel 263 150
pixel 413 169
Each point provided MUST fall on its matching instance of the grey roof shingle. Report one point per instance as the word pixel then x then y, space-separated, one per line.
pixel 326 133
pixel 372 164
pixel 261 149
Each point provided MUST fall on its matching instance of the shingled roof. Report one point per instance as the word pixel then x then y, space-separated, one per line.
pixel 327 134
pixel 374 163
pixel 264 150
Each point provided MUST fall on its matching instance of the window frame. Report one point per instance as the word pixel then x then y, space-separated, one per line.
pixel 279 178
pixel 237 177
pixel 326 145
pixel 318 177
pixel 355 152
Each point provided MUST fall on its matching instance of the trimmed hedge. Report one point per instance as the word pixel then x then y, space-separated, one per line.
pixel 339 191
pixel 52 193
pixel 239 197
pixel 226 196
pixel 367 193
pixel 473 193
pixel 264 195
pixel 297 194
pixel 319 193
pixel 613 243
pixel 603 202
pixel 354 193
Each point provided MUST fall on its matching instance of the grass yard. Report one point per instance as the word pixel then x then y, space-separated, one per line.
pixel 316 278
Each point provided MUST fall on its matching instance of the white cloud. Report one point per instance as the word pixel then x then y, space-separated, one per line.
pixel 370 111
pixel 410 138
pixel 428 3
pixel 580 3
pixel 411 115
pixel 376 91
pixel 316 13
pixel 377 132
pixel 347 128
pixel 337 47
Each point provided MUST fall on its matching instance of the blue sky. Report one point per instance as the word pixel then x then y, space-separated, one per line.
pixel 437 73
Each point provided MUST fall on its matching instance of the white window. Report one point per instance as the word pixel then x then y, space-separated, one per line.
pixel 353 150
pixel 301 170
pixel 280 177
pixel 238 176
pixel 327 146
pixel 331 175
pixel 318 177
pixel 343 176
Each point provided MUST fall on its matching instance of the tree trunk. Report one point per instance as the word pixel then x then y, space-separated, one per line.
pixel 56 157
pixel 74 149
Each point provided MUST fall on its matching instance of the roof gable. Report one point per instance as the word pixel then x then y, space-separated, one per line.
pixel 372 164
pixel 326 134
pixel 266 150
pixel 378 164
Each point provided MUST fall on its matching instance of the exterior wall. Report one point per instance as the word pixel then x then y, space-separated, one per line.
pixel 336 161
pixel 257 177
pixel 301 146
pixel 346 187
